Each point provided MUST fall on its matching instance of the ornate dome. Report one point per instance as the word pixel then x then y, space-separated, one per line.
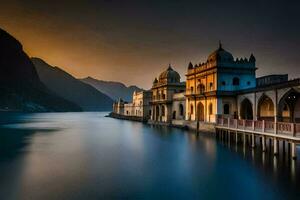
pixel 169 75
pixel 220 54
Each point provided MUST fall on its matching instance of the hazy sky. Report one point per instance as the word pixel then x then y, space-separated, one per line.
pixel 133 41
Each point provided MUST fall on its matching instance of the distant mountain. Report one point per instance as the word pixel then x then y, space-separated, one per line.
pixel 70 88
pixel 20 86
pixel 112 89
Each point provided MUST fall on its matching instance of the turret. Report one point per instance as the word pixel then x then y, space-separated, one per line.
pixel 252 58
pixel 190 66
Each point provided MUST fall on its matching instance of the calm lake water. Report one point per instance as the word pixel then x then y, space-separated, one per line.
pixel 88 156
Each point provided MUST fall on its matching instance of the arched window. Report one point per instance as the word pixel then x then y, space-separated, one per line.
pixel 192 109
pixel 210 109
pixel 201 88
pixel 156 113
pixel 200 112
pixel 163 111
pixel 226 109
pixel 211 86
pixel 285 107
pixel 181 109
pixel 235 81
pixel 246 111
pixel 265 108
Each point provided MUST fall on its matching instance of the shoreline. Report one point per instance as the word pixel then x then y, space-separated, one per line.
pixel 182 124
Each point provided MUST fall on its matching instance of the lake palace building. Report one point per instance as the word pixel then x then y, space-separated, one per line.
pixel 222 86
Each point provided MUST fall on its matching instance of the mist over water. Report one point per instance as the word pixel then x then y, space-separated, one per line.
pixel 88 156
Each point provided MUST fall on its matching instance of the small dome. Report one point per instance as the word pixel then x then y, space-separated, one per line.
pixel 220 54
pixel 170 75
pixel 155 80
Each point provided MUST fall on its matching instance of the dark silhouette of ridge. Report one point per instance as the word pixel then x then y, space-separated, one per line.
pixel 112 89
pixel 70 88
pixel 20 86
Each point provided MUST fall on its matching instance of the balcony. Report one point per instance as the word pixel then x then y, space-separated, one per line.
pixel 160 98
pixel 261 126
pixel 194 92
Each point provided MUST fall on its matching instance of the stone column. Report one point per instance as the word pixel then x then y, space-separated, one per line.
pixel 167 117
pixel 275 112
pixel 255 106
pixel 159 113
pixel 187 109
pixel 152 112
pixel 195 110
pixel 205 110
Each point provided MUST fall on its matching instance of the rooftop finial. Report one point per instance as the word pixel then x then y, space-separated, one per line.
pixel 220 44
pixel 169 68
pixel 190 66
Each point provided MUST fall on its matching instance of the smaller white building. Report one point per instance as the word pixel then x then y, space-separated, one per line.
pixel 141 104
pixel 118 107
pixel 139 107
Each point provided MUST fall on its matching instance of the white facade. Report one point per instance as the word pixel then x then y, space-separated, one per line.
pixel 139 107
pixel 163 90
pixel 178 106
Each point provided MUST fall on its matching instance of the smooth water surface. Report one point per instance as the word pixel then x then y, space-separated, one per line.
pixel 89 156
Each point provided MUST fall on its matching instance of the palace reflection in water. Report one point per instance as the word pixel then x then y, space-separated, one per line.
pixel 86 155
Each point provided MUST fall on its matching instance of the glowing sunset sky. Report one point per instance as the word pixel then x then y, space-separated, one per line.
pixel 133 41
